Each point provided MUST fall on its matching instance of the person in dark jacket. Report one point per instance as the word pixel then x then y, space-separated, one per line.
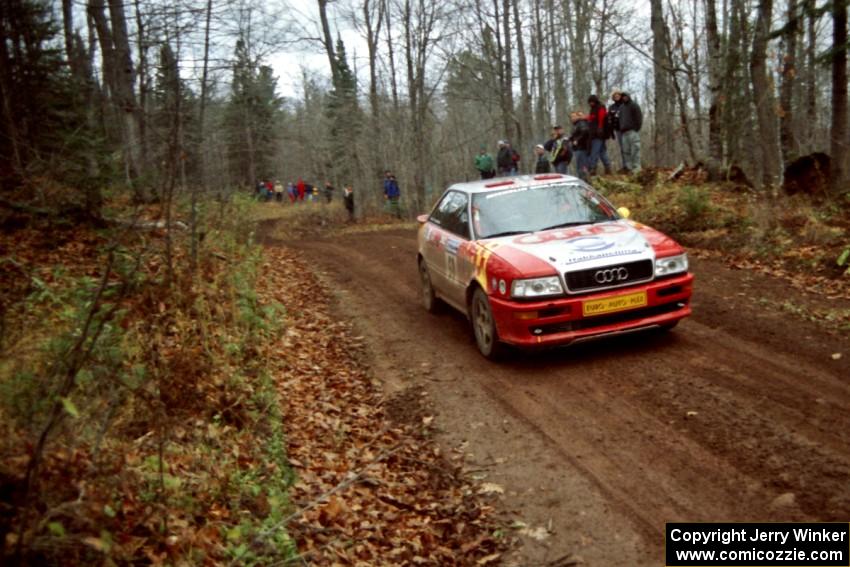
pixel 614 124
pixel 599 132
pixel 630 119
pixel 328 192
pixel 392 194
pixel 507 159
pixel 559 150
pixel 348 199
pixel 542 165
pixel 580 139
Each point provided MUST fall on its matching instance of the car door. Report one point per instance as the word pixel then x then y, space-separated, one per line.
pixel 452 216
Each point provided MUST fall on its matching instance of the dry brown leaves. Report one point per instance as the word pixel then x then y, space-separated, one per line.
pixel 370 490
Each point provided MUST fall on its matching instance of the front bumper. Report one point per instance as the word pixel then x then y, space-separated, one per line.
pixel 561 321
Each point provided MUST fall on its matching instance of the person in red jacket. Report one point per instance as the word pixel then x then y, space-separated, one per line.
pixel 599 134
pixel 301 189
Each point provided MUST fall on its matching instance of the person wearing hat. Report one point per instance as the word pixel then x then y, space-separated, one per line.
pixel 614 124
pixel 542 165
pixel 507 159
pixel 484 164
pixel 559 149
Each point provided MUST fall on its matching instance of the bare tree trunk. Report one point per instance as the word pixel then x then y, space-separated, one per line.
pixel 327 39
pixel 811 106
pixel 68 25
pixel 540 71
pixel 508 72
pixel 202 143
pixel 555 45
pixel 788 141
pixel 391 53
pixel 663 108
pixel 715 87
pixel 768 140
pixel 838 129
pixel 523 122
pixel 118 69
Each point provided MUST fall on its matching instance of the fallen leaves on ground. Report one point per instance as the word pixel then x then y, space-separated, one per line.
pixel 371 490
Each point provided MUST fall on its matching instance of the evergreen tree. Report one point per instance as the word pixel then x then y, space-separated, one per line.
pixel 345 120
pixel 252 118
pixel 44 129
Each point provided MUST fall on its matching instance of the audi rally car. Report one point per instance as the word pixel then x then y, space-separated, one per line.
pixel 545 260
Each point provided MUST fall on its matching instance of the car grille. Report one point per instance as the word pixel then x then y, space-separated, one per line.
pixel 609 276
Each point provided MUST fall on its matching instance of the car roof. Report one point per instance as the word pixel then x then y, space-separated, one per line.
pixel 516 181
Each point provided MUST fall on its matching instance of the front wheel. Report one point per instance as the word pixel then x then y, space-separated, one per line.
pixel 484 326
pixel 429 298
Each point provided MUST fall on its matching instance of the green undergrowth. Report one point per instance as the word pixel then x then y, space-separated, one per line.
pixel 139 418
pixel 740 222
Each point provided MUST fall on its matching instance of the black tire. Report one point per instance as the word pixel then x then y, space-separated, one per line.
pixel 484 327
pixel 430 301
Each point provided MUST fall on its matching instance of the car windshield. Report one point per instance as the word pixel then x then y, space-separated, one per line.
pixel 531 209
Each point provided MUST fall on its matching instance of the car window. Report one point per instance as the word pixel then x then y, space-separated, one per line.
pixel 530 209
pixel 452 213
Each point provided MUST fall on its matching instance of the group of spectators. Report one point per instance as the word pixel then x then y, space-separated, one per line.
pixel 301 191
pixel 584 148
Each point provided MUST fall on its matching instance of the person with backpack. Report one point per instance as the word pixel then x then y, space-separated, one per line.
pixel 559 150
pixel 600 131
pixel 631 120
pixel 507 159
pixel 614 124
pixel 484 164
pixel 580 140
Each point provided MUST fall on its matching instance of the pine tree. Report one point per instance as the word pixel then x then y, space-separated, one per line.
pixel 252 117
pixel 345 119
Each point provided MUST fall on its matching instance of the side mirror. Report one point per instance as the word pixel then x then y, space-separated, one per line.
pixel 624 212
pixel 422 219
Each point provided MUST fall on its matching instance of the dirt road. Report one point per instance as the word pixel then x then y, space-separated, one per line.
pixel 738 415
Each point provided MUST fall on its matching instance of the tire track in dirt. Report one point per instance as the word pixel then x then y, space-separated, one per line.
pixel 702 424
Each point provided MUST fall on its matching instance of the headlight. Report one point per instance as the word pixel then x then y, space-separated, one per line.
pixel 537 287
pixel 671 265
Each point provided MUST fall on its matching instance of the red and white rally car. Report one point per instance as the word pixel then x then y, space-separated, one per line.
pixel 546 260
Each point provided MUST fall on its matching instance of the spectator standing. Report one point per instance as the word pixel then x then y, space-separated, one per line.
pixel 558 146
pixel 542 165
pixel 292 192
pixel 348 199
pixel 614 124
pixel 507 159
pixel 599 134
pixel 392 193
pixel 631 120
pixel 484 164
pixel 278 191
pixel 329 192
pixel 301 188
pixel 580 140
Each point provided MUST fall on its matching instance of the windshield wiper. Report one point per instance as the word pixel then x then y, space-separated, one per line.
pixel 565 225
pixel 506 233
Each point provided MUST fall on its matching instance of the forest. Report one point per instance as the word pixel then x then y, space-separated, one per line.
pixel 159 99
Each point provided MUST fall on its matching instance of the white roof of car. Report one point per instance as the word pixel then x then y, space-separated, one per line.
pixel 517 181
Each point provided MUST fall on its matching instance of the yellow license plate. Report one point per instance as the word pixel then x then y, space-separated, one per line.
pixel 612 304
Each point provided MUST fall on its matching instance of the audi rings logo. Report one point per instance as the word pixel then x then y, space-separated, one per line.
pixel 611 275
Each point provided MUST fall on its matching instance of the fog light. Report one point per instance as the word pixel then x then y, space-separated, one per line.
pixel 537 331
pixel 526 315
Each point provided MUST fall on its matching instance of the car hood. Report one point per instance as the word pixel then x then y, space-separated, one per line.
pixel 579 248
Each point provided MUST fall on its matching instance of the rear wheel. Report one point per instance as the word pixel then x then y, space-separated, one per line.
pixel 429 298
pixel 484 326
